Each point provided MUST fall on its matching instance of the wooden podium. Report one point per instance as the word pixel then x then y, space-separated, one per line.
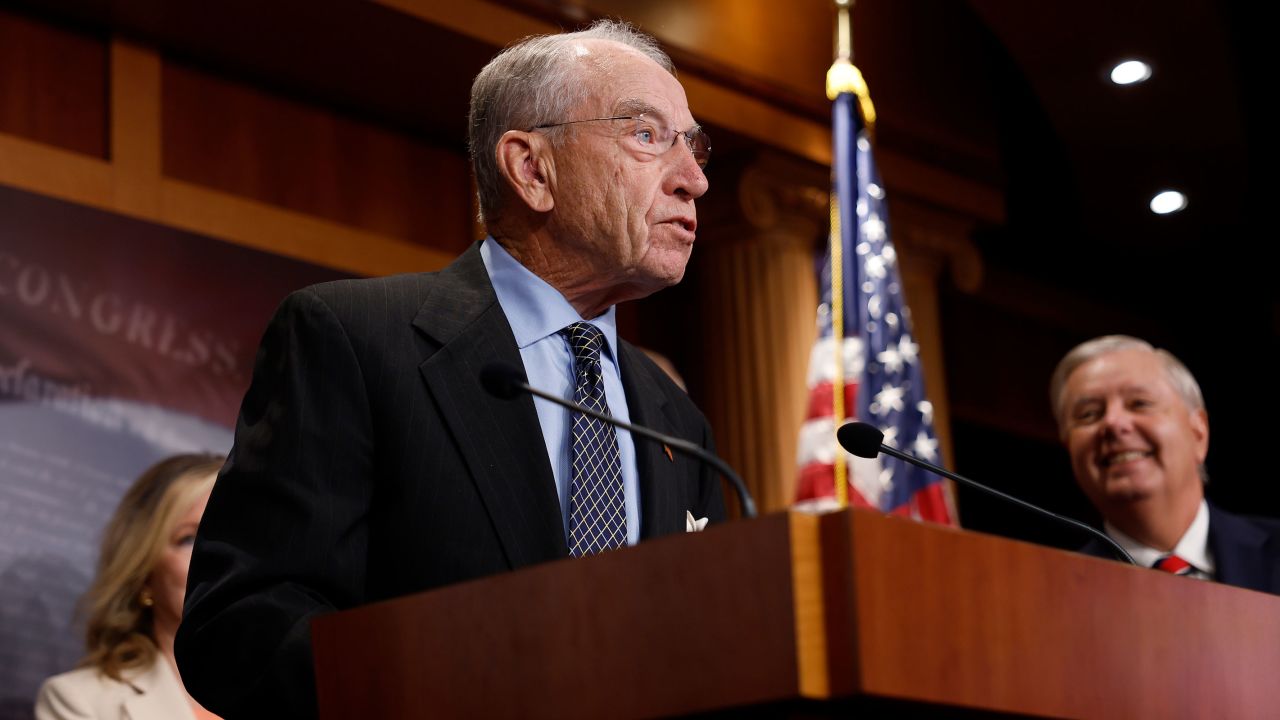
pixel 802 615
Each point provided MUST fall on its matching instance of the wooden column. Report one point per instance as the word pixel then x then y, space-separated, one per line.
pixel 756 282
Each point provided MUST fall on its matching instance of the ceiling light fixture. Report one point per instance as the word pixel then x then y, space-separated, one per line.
pixel 1130 72
pixel 1168 201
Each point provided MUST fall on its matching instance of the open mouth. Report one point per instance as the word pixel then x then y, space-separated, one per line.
pixel 686 224
pixel 1124 456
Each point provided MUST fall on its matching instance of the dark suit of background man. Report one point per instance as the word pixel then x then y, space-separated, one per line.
pixel 1134 422
pixel 369 462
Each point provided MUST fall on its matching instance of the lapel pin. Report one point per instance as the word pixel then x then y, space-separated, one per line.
pixel 667 450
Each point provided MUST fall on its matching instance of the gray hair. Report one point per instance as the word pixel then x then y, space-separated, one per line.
pixel 1180 378
pixel 534 82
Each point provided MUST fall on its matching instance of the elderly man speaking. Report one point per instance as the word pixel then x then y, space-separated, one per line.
pixel 1134 422
pixel 369 462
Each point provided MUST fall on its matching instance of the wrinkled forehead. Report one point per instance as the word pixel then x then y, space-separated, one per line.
pixel 623 81
pixel 1123 372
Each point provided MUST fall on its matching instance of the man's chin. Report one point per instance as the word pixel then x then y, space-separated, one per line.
pixel 1129 489
pixel 643 282
pixel 665 269
pixel 672 278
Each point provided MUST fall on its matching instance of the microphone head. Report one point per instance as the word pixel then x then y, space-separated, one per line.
pixel 860 439
pixel 502 381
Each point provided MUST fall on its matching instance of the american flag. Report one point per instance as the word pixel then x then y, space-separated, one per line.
pixel 882 380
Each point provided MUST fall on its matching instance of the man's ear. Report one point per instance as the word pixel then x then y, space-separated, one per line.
pixel 1200 433
pixel 524 161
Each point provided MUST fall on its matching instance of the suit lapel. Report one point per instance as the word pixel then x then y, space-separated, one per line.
pixel 661 505
pixel 499 439
pixel 1237 551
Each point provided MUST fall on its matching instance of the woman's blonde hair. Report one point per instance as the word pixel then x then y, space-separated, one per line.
pixel 119 633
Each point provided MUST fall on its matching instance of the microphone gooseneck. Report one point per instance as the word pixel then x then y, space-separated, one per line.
pixel 867 441
pixel 506 382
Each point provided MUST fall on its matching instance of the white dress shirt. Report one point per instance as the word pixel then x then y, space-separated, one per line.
pixel 1192 547
pixel 537 313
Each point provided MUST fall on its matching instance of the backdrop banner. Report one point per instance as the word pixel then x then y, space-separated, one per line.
pixel 121 342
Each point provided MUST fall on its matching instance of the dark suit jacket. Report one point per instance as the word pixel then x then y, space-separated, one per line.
pixel 1246 550
pixel 369 463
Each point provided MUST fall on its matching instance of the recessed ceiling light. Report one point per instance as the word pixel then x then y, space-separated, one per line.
pixel 1130 72
pixel 1168 201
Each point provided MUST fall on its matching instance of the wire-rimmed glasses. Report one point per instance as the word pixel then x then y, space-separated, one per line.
pixel 650 136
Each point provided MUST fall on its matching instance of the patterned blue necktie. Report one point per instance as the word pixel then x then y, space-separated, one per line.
pixel 597 507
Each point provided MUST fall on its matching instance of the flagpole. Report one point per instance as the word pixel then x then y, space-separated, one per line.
pixel 838 82
pixel 844 38
pixel 843 76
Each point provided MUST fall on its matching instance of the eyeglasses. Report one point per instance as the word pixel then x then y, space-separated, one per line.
pixel 648 136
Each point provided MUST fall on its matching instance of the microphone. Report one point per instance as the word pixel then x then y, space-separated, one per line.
pixel 866 441
pixel 506 382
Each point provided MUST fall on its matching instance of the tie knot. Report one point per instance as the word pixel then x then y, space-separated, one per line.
pixel 1173 564
pixel 585 339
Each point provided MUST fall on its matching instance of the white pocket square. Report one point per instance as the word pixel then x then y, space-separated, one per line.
pixel 691 525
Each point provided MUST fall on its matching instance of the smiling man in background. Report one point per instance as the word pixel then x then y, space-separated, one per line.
pixel 1134 423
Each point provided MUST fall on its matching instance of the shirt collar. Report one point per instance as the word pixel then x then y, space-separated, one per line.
pixel 1193 547
pixel 534 309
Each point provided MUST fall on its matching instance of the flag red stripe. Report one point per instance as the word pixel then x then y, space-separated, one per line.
pixel 819 480
pixel 929 503
pixel 820 400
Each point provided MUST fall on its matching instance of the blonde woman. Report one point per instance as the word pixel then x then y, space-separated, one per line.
pixel 134 605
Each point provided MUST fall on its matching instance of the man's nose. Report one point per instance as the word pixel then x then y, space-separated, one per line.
pixel 686 178
pixel 1117 419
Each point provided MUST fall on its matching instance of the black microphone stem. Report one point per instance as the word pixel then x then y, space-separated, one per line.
pixel 992 491
pixel 683 446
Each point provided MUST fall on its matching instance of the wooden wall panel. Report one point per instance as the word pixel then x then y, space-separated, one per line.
pixel 240 140
pixel 53 85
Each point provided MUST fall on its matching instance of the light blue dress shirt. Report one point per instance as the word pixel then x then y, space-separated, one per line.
pixel 537 313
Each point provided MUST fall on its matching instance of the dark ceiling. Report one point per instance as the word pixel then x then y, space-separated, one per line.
pixel 1191 127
